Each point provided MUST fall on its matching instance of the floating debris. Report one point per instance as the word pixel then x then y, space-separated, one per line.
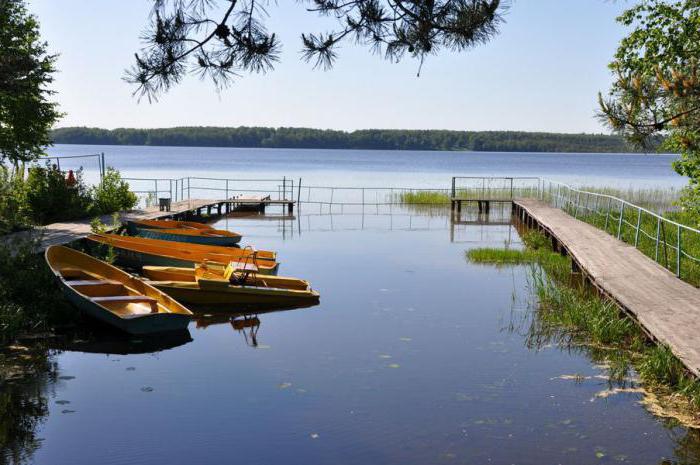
pixel 285 385
pixel 314 435
pixel 147 389
pixel 63 402
pixel 393 365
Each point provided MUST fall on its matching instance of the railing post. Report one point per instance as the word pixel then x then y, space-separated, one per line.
pixel 607 214
pixel 656 247
pixel 171 189
pixel 639 222
pixel 284 186
pixel 156 181
pixel 511 188
pixel 189 189
pixel 226 198
pixel 578 197
pixel 679 252
pixel 453 186
pixel 619 223
pixel 299 192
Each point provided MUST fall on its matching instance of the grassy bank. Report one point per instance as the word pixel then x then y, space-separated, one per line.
pixel 30 299
pixel 567 312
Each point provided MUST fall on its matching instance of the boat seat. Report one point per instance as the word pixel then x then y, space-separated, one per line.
pixel 128 299
pixel 239 267
pixel 72 273
pixel 94 282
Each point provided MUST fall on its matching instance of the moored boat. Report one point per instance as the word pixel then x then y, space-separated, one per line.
pixel 235 283
pixel 191 236
pixel 113 296
pixel 139 251
pixel 166 224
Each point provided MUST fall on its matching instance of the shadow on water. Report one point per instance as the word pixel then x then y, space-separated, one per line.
pixel 27 375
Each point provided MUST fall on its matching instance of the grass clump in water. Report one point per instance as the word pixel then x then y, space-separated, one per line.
pixel 569 313
pixel 424 197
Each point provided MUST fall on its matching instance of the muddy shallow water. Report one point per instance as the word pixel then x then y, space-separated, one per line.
pixel 413 356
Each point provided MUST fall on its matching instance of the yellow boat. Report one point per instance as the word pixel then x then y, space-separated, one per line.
pixel 168 224
pixel 138 252
pixel 235 283
pixel 191 236
pixel 113 296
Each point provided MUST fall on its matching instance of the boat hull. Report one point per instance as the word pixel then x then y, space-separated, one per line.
pixel 159 323
pixel 192 293
pixel 135 252
pixel 166 315
pixel 224 241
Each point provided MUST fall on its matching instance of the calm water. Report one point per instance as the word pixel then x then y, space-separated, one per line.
pixel 414 356
pixel 376 168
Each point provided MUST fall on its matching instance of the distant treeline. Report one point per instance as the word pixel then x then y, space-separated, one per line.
pixel 384 139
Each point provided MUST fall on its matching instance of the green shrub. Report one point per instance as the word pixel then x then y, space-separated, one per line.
pixel 30 298
pixel 50 198
pixel 12 200
pixel 112 194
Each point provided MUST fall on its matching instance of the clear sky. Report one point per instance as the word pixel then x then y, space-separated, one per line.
pixel 541 73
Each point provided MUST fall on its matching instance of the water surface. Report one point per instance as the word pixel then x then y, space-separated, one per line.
pixel 414 356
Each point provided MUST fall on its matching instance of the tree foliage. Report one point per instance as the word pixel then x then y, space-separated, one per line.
pixel 369 139
pixel 26 70
pixel 221 39
pixel 657 90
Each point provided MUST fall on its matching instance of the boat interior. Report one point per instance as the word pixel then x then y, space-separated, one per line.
pixel 110 294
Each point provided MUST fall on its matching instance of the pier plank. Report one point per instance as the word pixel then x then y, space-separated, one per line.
pixel 667 307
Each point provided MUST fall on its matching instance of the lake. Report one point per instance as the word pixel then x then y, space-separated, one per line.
pixel 413 356
pixel 376 168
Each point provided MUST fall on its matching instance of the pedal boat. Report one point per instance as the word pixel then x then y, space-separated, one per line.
pixel 214 284
pixel 113 296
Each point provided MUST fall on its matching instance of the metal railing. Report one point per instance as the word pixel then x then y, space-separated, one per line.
pixel 218 188
pixel 493 188
pixel 658 237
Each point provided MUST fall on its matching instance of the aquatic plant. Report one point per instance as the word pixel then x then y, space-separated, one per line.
pixel 568 313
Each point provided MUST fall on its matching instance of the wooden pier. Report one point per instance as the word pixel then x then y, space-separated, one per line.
pixel 667 308
pixel 66 232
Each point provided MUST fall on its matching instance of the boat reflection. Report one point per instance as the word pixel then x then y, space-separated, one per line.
pixel 104 342
pixel 244 320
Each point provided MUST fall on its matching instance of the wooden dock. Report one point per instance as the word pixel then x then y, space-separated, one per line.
pixel 64 233
pixel 667 308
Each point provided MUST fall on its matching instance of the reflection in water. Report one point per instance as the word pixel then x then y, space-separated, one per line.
pixel 245 320
pixel 116 343
pixel 24 387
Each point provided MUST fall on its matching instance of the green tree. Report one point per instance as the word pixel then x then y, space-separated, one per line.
pixel 657 90
pixel 26 70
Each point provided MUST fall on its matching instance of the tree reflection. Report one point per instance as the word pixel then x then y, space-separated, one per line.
pixel 25 381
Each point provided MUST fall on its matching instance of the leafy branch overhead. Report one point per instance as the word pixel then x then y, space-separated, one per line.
pixel 657 90
pixel 220 39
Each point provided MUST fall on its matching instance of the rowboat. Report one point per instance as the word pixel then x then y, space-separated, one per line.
pixel 235 283
pixel 165 224
pixel 191 236
pixel 113 296
pixel 137 252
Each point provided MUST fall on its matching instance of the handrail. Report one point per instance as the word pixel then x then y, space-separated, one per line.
pixel 624 202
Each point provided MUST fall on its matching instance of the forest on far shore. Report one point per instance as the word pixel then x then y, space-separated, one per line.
pixel 372 139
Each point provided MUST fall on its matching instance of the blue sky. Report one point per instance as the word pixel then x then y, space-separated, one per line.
pixel 542 73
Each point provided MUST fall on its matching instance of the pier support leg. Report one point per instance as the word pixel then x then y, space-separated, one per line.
pixel 290 207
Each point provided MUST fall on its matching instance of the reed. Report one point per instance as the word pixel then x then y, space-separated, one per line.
pixel 569 313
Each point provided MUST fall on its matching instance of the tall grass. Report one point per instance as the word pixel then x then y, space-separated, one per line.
pixel 568 312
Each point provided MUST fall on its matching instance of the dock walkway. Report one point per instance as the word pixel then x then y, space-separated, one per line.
pixel 666 307
pixel 64 233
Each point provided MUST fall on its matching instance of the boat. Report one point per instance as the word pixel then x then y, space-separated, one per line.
pixel 192 236
pixel 113 296
pixel 213 284
pixel 165 224
pixel 137 252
